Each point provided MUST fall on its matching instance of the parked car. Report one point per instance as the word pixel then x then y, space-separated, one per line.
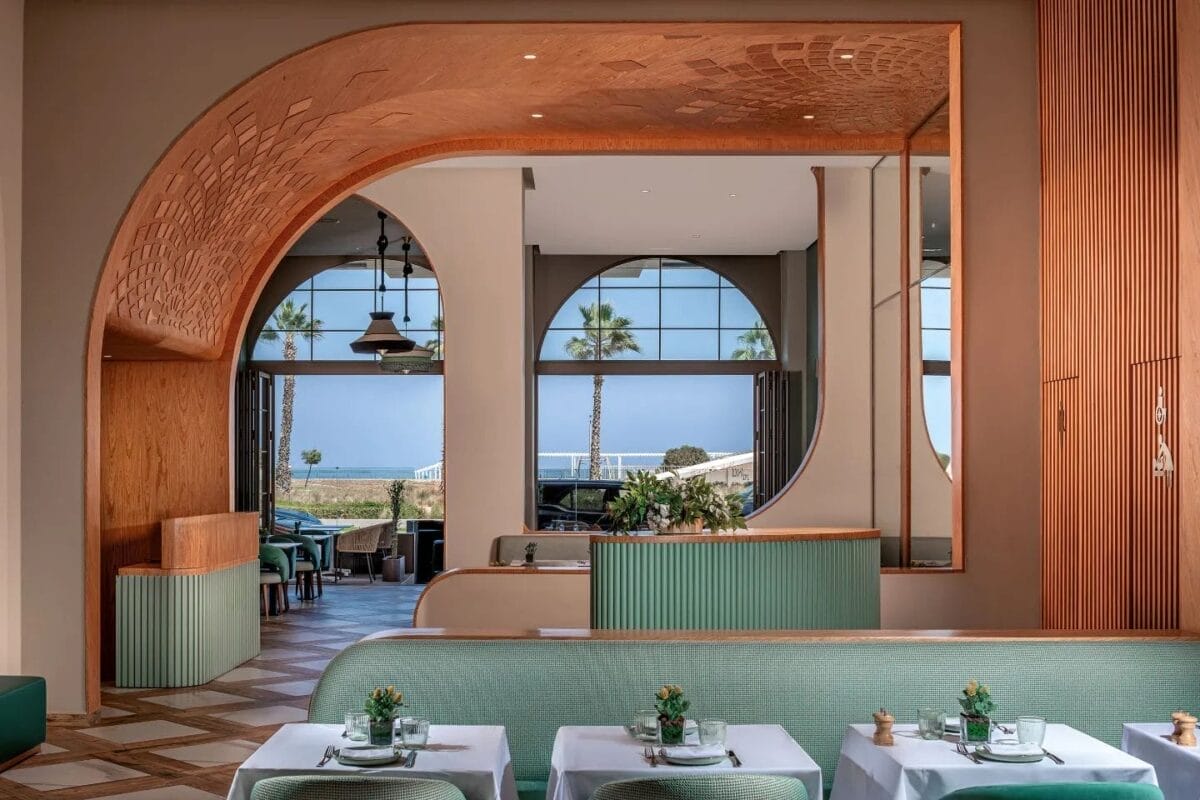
pixel 575 505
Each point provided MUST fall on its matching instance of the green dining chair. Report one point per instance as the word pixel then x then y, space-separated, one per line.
pixel 308 566
pixel 312 787
pixel 707 787
pixel 1060 791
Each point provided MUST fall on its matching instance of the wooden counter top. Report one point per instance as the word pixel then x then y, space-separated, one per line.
pixel 752 535
pixel 156 569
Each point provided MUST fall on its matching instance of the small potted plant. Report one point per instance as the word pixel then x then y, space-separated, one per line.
pixel 530 553
pixel 977 707
pixel 671 707
pixel 393 564
pixel 665 506
pixel 383 706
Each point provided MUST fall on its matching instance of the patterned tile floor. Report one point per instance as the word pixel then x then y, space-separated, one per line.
pixel 184 744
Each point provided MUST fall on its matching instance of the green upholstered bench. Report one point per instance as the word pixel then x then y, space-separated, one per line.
pixel 23 709
pixel 812 684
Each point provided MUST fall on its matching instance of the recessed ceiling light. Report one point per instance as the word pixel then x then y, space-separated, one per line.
pixel 537 115
pixel 695 236
pixel 530 56
pixel 645 191
pixel 810 116
pixel 733 194
pixel 107 355
pixel 846 56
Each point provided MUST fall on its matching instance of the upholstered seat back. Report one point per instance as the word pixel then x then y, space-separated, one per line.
pixel 709 787
pixel 1060 791
pixel 309 787
pixel 812 686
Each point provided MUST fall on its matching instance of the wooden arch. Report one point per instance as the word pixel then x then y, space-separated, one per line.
pixel 235 190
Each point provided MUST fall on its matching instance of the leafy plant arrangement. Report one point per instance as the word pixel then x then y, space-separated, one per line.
pixel 671 706
pixel 382 707
pixel 665 505
pixel 977 707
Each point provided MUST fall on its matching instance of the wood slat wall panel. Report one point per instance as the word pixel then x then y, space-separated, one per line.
pixel 1109 296
pixel 1154 505
pixel 1060 466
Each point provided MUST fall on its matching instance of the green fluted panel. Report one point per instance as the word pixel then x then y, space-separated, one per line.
pixel 783 585
pixel 185 630
pixel 813 689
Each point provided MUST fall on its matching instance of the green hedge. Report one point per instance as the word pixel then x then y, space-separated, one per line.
pixel 352 509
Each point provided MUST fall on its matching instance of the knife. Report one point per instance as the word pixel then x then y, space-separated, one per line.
pixel 733 758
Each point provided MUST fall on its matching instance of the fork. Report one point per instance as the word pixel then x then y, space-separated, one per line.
pixel 1053 757
pixel 733 758
pixel 325 758
pixel 648 754
pixel 965 753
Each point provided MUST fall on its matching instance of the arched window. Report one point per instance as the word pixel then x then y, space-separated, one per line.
pixel 319 318
pixel 658 309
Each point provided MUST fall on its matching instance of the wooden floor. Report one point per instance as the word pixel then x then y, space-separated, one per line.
pixel 184 744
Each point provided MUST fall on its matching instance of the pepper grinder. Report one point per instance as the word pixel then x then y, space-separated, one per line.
pixel 1186 727
pixel 883 728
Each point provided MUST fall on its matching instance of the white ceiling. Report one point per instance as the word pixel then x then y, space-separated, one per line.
pixel 596 204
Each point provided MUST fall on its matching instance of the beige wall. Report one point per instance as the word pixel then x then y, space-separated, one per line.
pixel 524 600
pixel 834 485
pixel 470 222
pixel 115 83
pixel 11 50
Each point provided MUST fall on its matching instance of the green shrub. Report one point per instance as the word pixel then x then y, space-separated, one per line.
pixel 353 509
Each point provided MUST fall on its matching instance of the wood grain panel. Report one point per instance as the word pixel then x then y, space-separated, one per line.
pixel 210 541
pixel 1060 504
pixel 1188 453
pixel 1109 288
pixel 1154 501
pixel 164 431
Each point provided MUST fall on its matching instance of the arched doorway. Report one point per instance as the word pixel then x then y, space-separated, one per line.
pixel 211 220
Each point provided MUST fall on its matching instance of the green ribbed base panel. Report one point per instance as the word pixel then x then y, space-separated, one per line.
pixel 813 689
pixel 184 630
pixel 788 585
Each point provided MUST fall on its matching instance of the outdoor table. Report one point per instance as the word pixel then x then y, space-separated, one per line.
pixel 915 768
pixel 1178 768
pixel 474 758
pixel 586 757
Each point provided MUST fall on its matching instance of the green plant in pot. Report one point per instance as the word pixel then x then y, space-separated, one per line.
pixel 671 706
pixel 393 567
pixel 977 707
pixel 382 707
pixel 665 505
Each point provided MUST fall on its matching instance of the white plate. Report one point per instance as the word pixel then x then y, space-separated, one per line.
pixel 706 761
pixel 347 756
pixel 1007 758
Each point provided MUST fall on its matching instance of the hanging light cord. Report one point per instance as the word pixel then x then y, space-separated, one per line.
pixel 382 243
pixel 406 246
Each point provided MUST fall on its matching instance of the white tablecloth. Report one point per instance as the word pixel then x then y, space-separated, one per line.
pixel 914 768
pixel 474 758
pixel 1178 768
pixel 585 758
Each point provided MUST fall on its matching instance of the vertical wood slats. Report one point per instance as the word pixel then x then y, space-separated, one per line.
pixel 1109 303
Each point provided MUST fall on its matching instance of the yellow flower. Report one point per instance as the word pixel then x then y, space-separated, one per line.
pixel 664 693
pixel 377 694
pixel 972 687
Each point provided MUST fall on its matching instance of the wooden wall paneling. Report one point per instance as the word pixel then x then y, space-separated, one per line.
pixel 1060 504
pixel 164 432
pixel 210 541
pixel 1154 501
pixel 1109 261
pixel 1187 454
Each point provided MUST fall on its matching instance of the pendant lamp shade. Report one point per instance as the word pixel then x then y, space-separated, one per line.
pixel 417 360
pixel 382 337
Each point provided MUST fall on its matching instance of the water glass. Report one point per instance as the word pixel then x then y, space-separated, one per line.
pixel 712 731
pixel 1031 730
pixel 931 723
pixel 414 732
pixel 645 723
pixel 358 726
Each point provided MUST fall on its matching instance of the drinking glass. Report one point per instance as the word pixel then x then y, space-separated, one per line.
pixel 931 723
pixel 414 732
pixel 1031 730
pixel 712 731
pixel 358 726
pixel 645 723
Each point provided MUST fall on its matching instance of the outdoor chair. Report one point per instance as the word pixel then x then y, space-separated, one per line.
pixel 274 574
pixel 365 542
pixel 714 787
pixel 307 566
pixel 311 787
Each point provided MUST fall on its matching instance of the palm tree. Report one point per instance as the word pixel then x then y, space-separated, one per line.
pixel 434 345
pixel 756 344
pixel 289 319
pixel 604 336
pixel 312 458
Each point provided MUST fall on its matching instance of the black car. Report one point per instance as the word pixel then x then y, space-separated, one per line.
pixel 571 505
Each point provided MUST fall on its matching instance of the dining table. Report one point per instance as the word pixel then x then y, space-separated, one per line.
pixel 475 758
pixel 919 769
pixel 587 756
pixel 1178 768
